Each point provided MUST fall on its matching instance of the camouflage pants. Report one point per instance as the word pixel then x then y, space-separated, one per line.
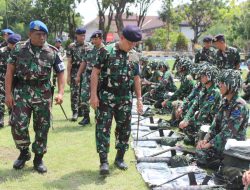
pixel 85 93
pixel 208 158
pixel 31 100
pixel 104 117
pixel 75 93
pixel 2 100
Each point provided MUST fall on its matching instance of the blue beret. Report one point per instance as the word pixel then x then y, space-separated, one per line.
pixel 14 38
pixel 39 25
pixel 80 31
pixel 96 34
pixel 132 33
pixel 58 40
pixel 7 31
pixel 207 39
pixel 219 37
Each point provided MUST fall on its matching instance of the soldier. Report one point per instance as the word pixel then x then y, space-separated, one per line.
pixel 246 85
pixel 32 62
pixel 75 54
pixel 87 65
pixel 58 45
pixel 5 34
pixel 187 83
pixel 207 53
pixel 146 70
pixel 205 106
pixel 114 95
pixel 4 55
pixel 229 123
pixel 226 57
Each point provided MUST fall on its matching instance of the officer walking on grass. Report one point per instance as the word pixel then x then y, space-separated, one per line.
pixel 32 62
pixel 87 66
pixel 111 95
pixel 4 55
pixel 75 54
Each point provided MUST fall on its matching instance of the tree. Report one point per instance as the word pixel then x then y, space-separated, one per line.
pixel 103 7
pixel 181 43
pixel 120 8
pixel 201 14
pixel 143 6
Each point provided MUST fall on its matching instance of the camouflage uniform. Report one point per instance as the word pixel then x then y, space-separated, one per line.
pixel 4 55
pixel 228 59
pixel 205 55
pixel 32 93
pixel 230 122
pixel 146 70
pixel 202 110
pixel 247 88
pixel 115 95
pixel 90 59
pixel 76 52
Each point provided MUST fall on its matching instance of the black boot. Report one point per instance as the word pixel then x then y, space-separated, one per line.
pixel 85 121
pixel 23 157
pixel 104 167
pixel 74 116
pixel 38 164
pixel 119 162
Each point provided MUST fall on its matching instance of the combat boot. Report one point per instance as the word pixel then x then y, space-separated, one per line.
pixel 104 167
pixel 119 162
pixel 23 157
pixel 74 116
pixel 38 164
pixel 85 121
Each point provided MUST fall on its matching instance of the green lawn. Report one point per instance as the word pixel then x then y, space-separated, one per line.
pixel 72 160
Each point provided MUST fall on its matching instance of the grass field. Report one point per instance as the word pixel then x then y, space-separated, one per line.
pixel 72 161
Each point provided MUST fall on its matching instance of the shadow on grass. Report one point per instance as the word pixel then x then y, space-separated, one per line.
pixel 14 175
pixel 71 128
pixel 76 179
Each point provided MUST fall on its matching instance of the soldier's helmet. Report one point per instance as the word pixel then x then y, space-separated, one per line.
pixel 232 79
pixel 154 65
pixel 195 70
pixel 209 70
pixel 184 65
pixel 164 64
pixel 144 59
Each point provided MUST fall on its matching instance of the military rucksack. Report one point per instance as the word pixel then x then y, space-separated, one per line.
pixel 236 161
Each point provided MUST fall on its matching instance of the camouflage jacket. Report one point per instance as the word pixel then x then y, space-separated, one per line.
pixel 167 83
pixel 77 53
pixel 204 107
pixel 33 63
pixel 146 72
pixel 228 59
pixel 188 101
pixel 156 76
pixel 187 84
pixel 117 72
pixel 230 122
pixel 91 58
pixel 4 55
pixel 205 55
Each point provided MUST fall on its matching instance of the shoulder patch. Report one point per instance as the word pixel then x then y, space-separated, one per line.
pixel 236 113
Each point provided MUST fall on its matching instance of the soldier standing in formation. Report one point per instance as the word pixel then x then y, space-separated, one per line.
pixel 4 55
pixel 111 95
pixel 32 63
pixel 207 53
pixel 86 67
pixel 75 54
pixel 226 57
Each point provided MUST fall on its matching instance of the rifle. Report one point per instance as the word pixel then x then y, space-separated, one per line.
pixel 144 117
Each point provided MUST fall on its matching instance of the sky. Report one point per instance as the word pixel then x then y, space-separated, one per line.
pixel 89 9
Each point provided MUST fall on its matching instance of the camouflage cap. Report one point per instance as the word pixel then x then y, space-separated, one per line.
pixel 185 64
pixel 232 79
pixel 209 70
